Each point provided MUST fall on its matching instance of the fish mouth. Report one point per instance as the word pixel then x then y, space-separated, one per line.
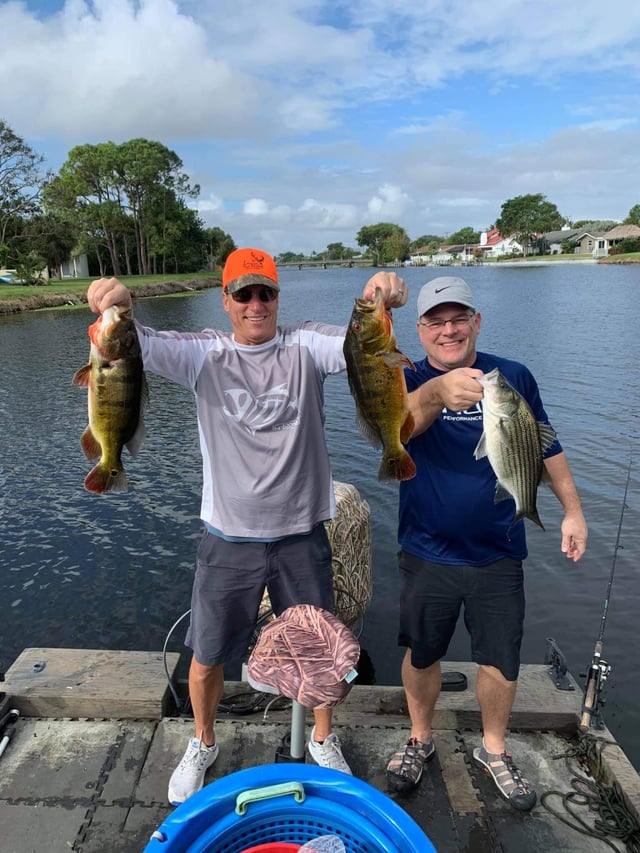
pixel 365 305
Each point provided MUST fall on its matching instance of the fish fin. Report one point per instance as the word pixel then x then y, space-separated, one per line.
pixel 501 494
pixel 481 448
pixel 102 479
pixel 395 359
pixel 407 428
pixel 547 436
pixel 90 445
pixel 137 439
pixel 366 430
pixel 397 467
pixel 82 376
pixel 144 392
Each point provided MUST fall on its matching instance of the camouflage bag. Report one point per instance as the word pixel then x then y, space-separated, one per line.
pixel 306 654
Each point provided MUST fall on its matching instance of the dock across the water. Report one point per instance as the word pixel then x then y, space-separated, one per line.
pixel 98 736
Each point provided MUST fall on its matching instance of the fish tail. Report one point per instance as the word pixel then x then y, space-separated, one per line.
pixel 532 515
pixel 106 478
pixel 397 466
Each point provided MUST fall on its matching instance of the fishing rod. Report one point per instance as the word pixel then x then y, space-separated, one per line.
pixel 599 668
pixel 7 728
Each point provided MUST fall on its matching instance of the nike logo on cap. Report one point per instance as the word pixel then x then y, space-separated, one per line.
pixel 440 289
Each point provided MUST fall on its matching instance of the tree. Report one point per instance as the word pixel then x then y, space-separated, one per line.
pixel 464 235
pixel 633 217
pixel 527 215
pixel 149 174
pixel 218 246
pixel 52 238
pixel 595 225
pixel 21 179
pixel 430 241
pixel 290 257
pixel 87 191
pixel 385 241
pixel 127 203
pixel 338 252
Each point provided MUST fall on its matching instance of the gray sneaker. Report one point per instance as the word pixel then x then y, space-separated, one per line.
pixel 328 753
pixel 188 777
pixel 510 782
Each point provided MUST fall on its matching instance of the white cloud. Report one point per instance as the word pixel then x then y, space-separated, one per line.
pixel 211 204
pixel 391 202
pixel 255 207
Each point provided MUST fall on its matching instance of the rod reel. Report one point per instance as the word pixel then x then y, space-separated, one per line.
pixel 593 692
pixel 599 669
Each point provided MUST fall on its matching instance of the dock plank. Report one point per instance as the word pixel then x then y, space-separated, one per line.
pixel 47 682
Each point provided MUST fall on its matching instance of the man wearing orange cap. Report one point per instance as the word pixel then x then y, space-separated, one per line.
pixel 267 484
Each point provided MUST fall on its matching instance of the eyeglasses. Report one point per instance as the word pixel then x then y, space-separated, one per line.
pixel 246 294
pixel 455 322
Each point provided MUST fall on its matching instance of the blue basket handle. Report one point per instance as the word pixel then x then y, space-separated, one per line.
pixel 243 800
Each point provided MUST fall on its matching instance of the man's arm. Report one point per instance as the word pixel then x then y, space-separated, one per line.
pixel 574 526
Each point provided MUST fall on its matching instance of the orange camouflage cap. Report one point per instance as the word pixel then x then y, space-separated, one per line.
pixel 249 266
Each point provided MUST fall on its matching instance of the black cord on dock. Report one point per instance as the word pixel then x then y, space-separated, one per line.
pixel 614 820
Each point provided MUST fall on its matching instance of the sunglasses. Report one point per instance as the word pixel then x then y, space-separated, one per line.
pixel 246 294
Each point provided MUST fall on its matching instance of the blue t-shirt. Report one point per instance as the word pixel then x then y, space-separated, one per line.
pixel 447 512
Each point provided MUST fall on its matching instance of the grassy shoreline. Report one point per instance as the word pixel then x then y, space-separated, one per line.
pixel 71 292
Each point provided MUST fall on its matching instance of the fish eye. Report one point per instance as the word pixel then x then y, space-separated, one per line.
pixel 356 326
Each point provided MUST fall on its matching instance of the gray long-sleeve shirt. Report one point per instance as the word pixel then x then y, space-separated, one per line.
pixel 266 468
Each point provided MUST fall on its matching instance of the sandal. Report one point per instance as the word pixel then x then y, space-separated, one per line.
pixel 404 771
pixel 510 782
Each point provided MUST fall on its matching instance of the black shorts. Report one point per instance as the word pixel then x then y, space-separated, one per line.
pixel 431 596
pixel 230 581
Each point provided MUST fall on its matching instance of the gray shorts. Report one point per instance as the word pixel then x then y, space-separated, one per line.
pixel 432 595
pixel 230 581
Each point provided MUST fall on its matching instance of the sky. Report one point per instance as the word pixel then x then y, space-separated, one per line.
pixel 303 120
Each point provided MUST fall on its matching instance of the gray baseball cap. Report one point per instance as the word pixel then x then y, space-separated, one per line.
pixel 445 288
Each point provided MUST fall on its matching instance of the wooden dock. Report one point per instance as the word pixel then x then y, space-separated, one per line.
pixel 98 737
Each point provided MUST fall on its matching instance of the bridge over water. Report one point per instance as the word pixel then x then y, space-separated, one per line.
pixel 359 262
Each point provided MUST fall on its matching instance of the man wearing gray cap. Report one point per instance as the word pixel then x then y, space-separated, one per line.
pixel 459 547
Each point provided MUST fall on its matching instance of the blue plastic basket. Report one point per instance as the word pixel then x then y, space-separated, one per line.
pixel 288 803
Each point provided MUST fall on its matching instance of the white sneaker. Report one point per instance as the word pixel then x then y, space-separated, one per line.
pixel 188 777
pixel 328 753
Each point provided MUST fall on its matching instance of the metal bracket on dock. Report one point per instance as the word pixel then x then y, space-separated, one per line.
pixel 558 671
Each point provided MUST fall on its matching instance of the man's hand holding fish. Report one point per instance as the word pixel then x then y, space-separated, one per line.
pixel 106 292
pixel 393 288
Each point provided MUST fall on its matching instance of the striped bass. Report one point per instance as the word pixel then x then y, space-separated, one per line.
pixel 376 380
pixel 117 389
pixel 514 443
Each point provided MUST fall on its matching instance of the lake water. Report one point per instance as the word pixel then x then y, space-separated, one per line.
pixel 115 571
